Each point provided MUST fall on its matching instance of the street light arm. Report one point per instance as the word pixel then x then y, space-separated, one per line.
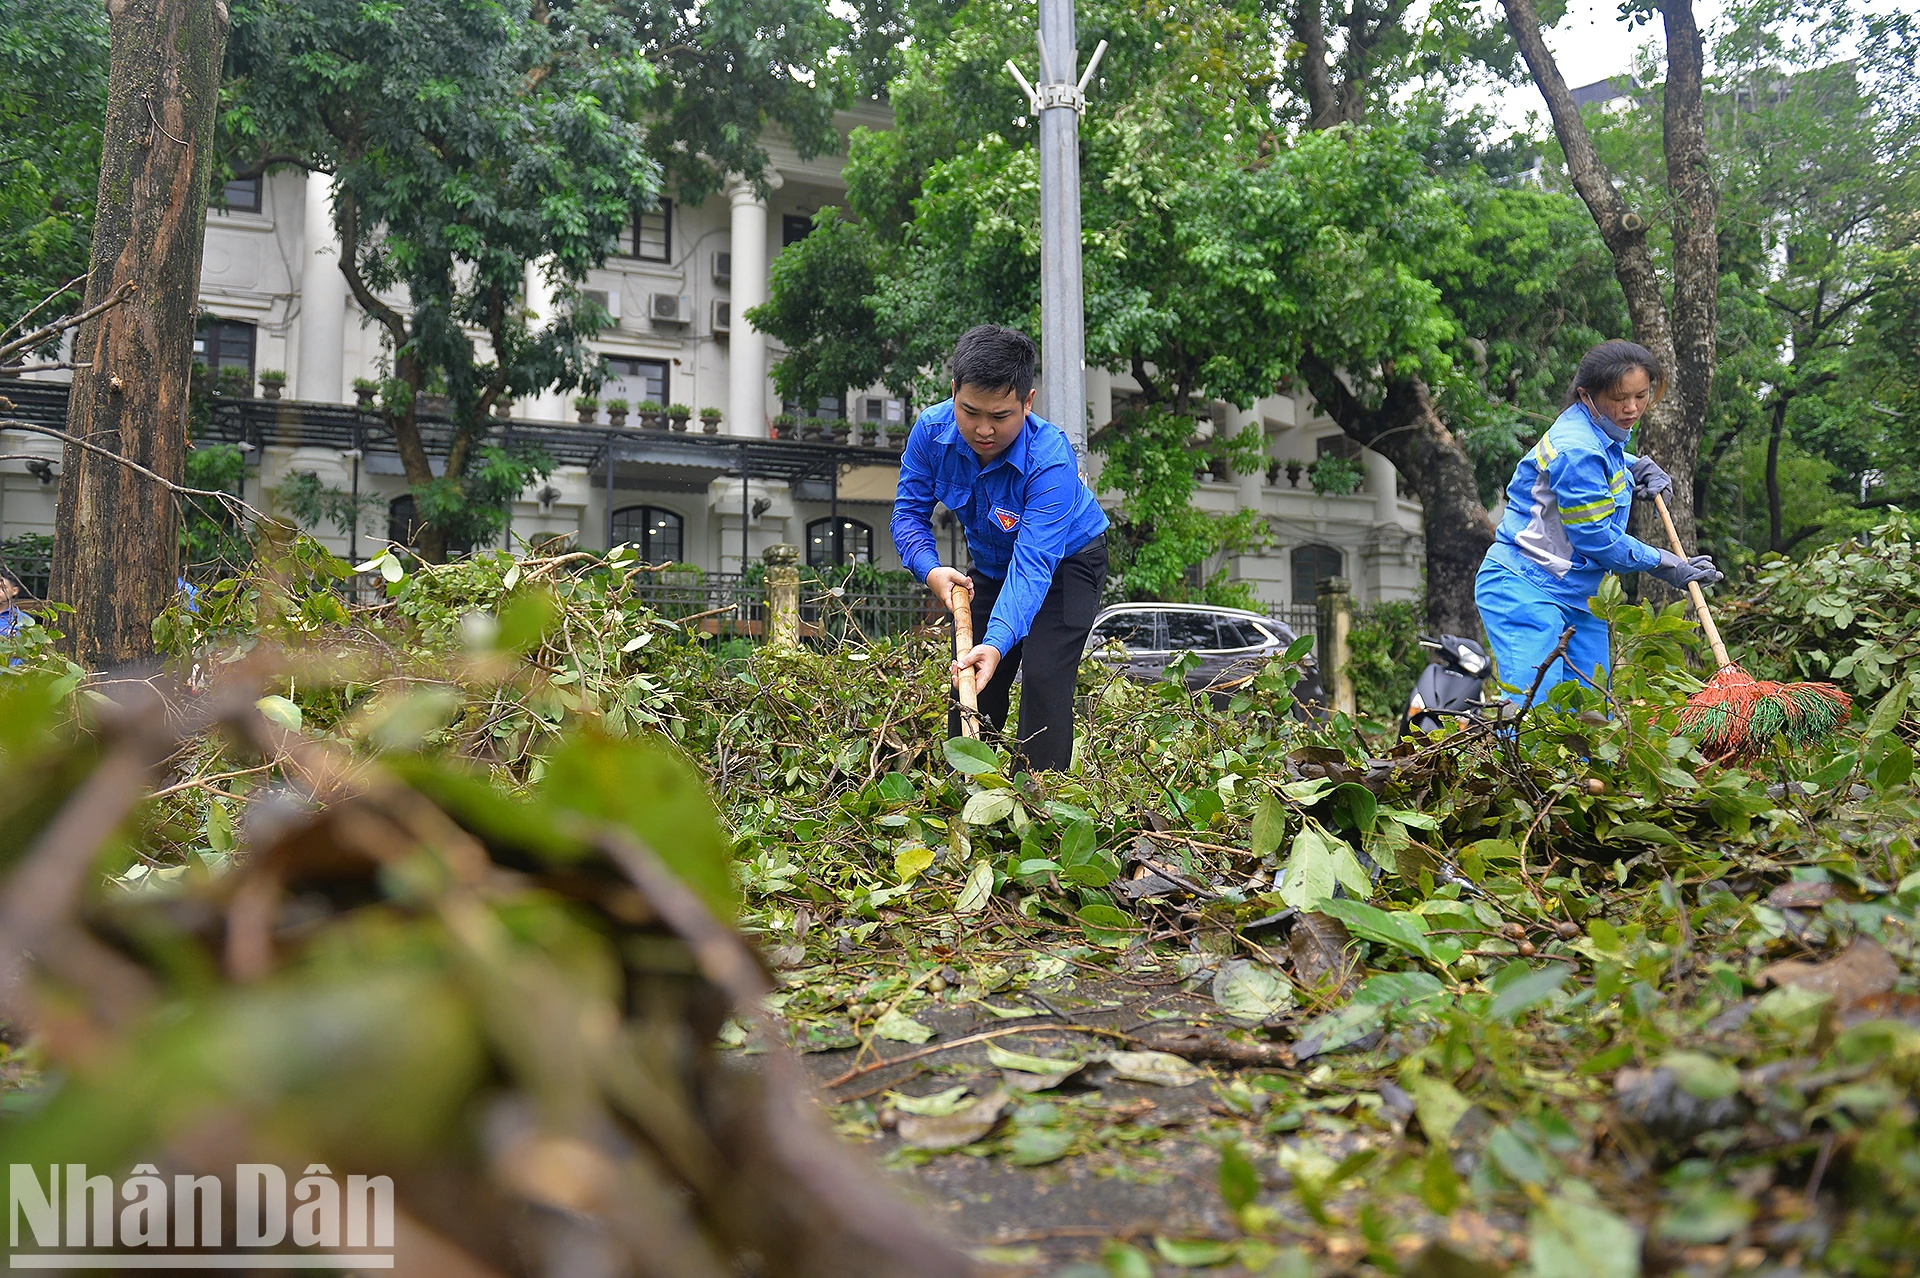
pixel 1033 99
pixel 1046 64
pixel 1099 50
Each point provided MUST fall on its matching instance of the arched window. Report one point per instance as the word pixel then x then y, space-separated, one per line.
pixel 1311 566
pixel 656 533
pixel 849 543
pixel 403 526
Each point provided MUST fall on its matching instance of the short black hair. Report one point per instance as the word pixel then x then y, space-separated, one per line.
pixel 995 359
pixel 1602 368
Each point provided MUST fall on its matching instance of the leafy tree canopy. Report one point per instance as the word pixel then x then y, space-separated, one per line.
pixel 53 91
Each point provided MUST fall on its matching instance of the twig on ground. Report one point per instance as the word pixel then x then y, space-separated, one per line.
pixel 863 1070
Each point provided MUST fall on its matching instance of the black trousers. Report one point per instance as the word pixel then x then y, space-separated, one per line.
pixel 1050 654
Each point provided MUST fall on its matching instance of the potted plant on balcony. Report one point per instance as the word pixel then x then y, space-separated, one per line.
pixel 234 382
pixel 1295 468
pixel 364 389
pixel 679 414
pixel 651 415
pixel 710 420
pixel 617 412
pixel 586 408
pixel 783 426
pixel 1335 476
pixel 1274 469
pixel 272 381
pixel 1220 471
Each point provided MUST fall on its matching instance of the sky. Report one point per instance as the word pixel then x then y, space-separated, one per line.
pixel 1591 43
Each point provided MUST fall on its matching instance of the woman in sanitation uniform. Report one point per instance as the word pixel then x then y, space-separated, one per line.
pixel 1566 526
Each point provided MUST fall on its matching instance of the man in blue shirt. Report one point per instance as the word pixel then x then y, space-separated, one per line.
pixel 1035 532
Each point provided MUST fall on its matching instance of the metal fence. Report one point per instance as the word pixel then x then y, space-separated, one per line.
pixel 727 605
pixel 34 568
pixel 1302 619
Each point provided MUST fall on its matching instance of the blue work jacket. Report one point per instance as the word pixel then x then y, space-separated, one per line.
pixel 1023 512
pixel 1567 508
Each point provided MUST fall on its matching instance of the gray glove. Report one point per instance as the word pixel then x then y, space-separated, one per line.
pixel 1678 572
pixel 1649 479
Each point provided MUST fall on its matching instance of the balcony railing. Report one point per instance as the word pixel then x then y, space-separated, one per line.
pixel 727 605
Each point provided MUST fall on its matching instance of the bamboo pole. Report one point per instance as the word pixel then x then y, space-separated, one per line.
pixel 961 600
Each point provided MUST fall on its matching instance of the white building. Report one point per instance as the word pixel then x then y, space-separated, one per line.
pixel 275 301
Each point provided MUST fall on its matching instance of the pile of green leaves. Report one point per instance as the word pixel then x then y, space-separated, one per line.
pixel 1546 1019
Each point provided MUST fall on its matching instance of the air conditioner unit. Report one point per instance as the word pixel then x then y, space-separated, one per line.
pixel 670 308
pixel 607 299
pixel 722 267
pixel 722 316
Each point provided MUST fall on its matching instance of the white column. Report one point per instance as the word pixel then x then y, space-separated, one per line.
pixel 1252 487
pixel 323 301
pixel 747 349
pixel 1380 482
pixel 549 405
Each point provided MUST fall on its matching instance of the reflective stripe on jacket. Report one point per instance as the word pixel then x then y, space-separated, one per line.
pixel 1567 509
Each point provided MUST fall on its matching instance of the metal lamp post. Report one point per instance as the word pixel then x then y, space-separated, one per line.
pixel 1058 103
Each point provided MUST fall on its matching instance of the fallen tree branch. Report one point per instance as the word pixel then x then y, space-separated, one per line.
pixel 981 1037
pixel 27 341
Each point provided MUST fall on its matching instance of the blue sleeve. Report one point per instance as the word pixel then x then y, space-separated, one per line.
pixel 1588 502
pixel 1046 524
pixel 912 523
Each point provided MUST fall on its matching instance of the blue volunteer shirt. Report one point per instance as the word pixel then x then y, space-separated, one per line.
pixel 1024 511
pixel 1567 509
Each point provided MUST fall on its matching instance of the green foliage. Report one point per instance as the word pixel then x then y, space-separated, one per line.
pixel 210 538
pixel 1520 914
pixel 1161 542
pixel 1335 476
pixel 1386 657
pixel 820 301
pixel 312 502
pixel 468 142
pixel 1848 612
pixel 53 95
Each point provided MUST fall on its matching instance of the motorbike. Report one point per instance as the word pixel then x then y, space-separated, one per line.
pixel 1448 688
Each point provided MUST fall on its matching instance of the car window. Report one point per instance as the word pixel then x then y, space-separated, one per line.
pixel 1241 634
pixel 1133 630
pixel 1191 632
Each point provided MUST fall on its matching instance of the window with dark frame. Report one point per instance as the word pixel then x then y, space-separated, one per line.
pixel 637 380
pixel 1338 446
pixel 1311 566
pixel 653 233
pixel 222 344
pixel 657 534
pixel 241 195
pixel 795 227
pixel 403 526
pixel 827 408
pixel 851 542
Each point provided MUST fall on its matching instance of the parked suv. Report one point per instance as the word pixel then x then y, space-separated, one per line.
pixel 1230 642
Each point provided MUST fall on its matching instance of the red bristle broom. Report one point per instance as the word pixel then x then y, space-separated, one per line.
pixel 1736 715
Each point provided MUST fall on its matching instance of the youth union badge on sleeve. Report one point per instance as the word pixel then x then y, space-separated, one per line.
pixel 1008 520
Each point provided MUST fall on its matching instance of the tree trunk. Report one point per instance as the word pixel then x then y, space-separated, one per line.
pixel 1681 338
pixel 1776 534
pixel 117 534
pixel 1407 431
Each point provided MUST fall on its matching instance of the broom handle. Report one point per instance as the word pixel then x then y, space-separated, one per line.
pixel 962 600
pixel 1693 588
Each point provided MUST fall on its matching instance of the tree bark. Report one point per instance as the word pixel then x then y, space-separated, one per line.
pixel 1776 535
pixel 1406 430
pixel 1680 337
pixel 116 533
pixel 430 542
